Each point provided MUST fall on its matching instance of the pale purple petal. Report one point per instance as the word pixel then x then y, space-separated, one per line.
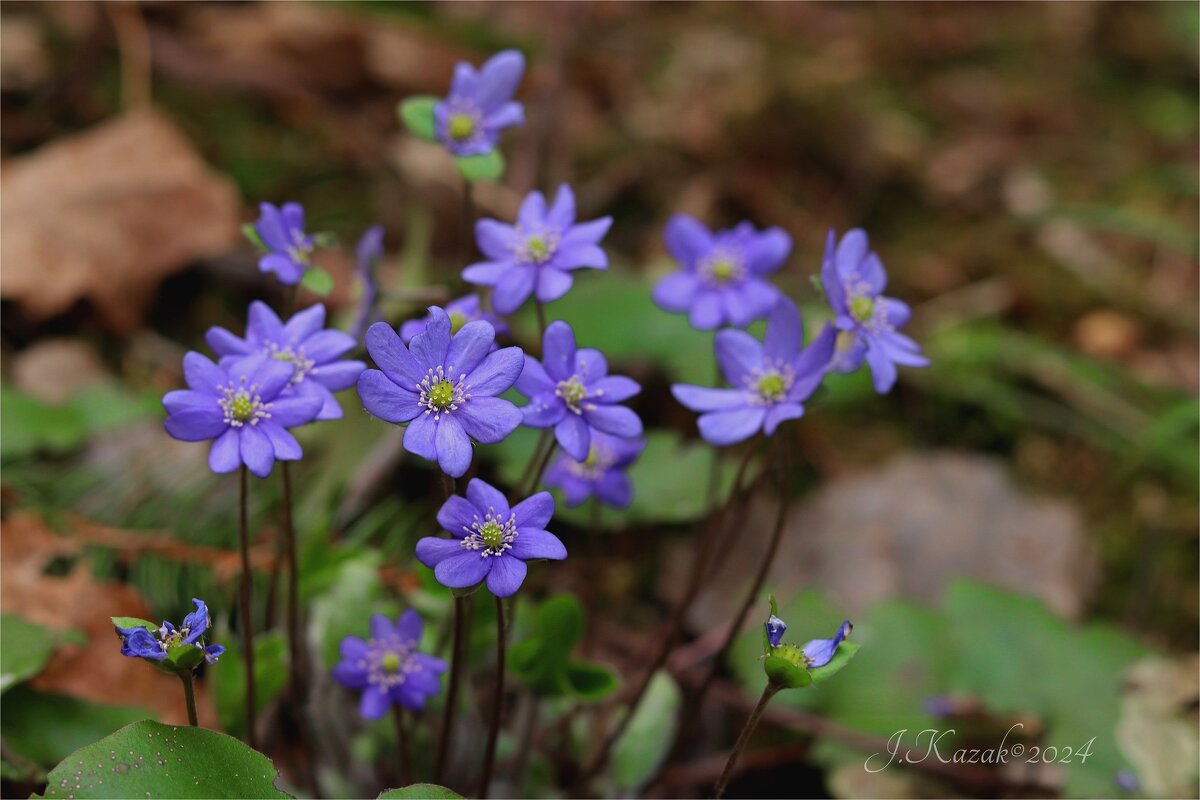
pixel 283 443
pixel 430 345
pixel 385 400
pixel 456 515
pixel 739 355
pixel 707 311
pixel 497 372
pixel 513 288
pixel 534 543
pixel 468 347
pixel 419 437
pixel 224 456
pixel 489 420
pixel 293 410
pixel 767 251
pixel 558 351
pixel 390 354
pixel 785 331
pixel 433 550
pixel 484 496
pixel 506 576
pixel 613 389
pixel 374 703
pixel 534 511
pixel 487 273
pixel 552 284
pixel 687 240
pixel 496 240
pixel 196 423
pixel 676 292
pixel 453 446
pixel 779 413
pixel 533 378
pixel 464 570
pixel 574 436
pixel 544 409
pixel 202 375
pixel 255 450
pixel 615 420
pixel 701 398
pixel 562 211
pixel 730 427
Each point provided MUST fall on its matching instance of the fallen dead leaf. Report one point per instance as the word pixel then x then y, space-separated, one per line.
pixel 106 214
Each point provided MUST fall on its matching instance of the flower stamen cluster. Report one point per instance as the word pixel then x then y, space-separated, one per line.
pixel 598 462
pixel 721 268
pixel 241 405
pixel 493 534
pixel 388 662
pixel 771 384
pixel 574 393
pixel 537 248
pixel 302 365
pixel 441 394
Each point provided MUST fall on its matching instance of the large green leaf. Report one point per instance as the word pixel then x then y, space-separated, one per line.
pixel 417 115
pixel 25 648
pixel 148 759
pixel 421 791
pixel 45 728
pixel 646 740
pixel 542 659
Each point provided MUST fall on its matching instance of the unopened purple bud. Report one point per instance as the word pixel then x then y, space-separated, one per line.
pixel 775 630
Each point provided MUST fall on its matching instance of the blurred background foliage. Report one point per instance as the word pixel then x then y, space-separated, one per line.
pixel 1028 173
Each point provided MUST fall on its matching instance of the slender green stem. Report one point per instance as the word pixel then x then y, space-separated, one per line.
pixel 535 477
pixel 189 697
pixel 489 756
pixel 541 317
pixel 406 772
pixel 247 612
pixel 456 668
pixel 764 568
pixel 544 440
pixel 743 738
pixel 295 648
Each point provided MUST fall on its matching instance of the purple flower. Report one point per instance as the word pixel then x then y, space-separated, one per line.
pixel 140 642
pixel 290 248
pixel 467 308
pixel 816 653
pixel 539 253
pixel 601 474
pixel 303 342
pixel 444 386
pixel 491 541
pixel 368 255
pixel 720 280
pixel 245 413
pixel 572 392
pixel 854 280
pixel 468 122
pixel 770 379
pixel 388 668
pixel 775 630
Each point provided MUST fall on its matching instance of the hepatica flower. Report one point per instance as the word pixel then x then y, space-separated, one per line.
pixel 602 474
pixel 770 380
pixel 469 120
pixel 490 541
pixel 387 667
pixel 816 653
pixel 368 254
pixel 468 308
pixel 721 276
pixel 854 280
pixel 246 412
pixel 313 352
pixel 571 391
pixel 444 386
pixel 173 648
pixel 289 248
pixel 539 253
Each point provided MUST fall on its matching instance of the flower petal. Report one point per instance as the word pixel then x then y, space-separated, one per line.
pixel 488 273
pixel 532 213
pixel 616 420
pixel 730 427
pixel 496 240
pixel 767 251
pixel 615 488
pixel 390 354
pixel 338 375
pixel 468 347
pixel 419 436
pixel 486 497
pixel 534 511
pixel 453 446
pixel 489 420
pixel 534 543
pixel 506 576
pixel 533 379
pixel 430 345
pixel 820 652
pixel 224 455
pixel 558 351
pixel 779 413
pixel 676 292
pixel 409 626
pixel 293 410
pixel 707 311
pixel 326 346
pixel 498 78
pixel 687 239
pixel 544 409
pixel 574 436
pixel 463 570
pixel 224 343
pixel 496 373
pixel 702 398
pixel 562 211
pixel 306 323
pixel 375 703
pixel 552 284
pixel 513 288
pixel 433 550
pixel 457 514
pixel 590 364
pixel 283 444
pixel 739 355
pixel 350 675
pixel 785 331
pixel 585 233
pixel 201 374
pixel 613 389
pixel 196 423
pixel 255 450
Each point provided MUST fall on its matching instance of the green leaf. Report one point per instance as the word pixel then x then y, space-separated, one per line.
pixel 638 753
pixel 30 425
pixel 186 657
pixel 45 728
pixel 540 661
pixel 133 622
pixel 417 115
pixel 251 233
pixel 25 648
pixel 148 759
pixel 317 281
pixel 487 167
pixel 591 681
pixel 841 658
pixel 785 673
pixel 229 683
pixel 421 791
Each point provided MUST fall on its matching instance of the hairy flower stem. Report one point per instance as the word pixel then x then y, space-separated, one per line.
pixel 784 469
pixel 456 668
pixel 675 624
pixel 743 738
pixel 247 612
pixel 406 773
pixel 189 697
pixel 489 755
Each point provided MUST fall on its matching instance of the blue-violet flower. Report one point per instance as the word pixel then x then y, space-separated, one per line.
pixel 303 342
pixel 602 474
pixel 290 248
pixel 444 386
pixel 245 413
pixel 538 254
pixel 720 280
pixel 468 122
pixel 571 391
pixel 816 653
pixel 490 540
pixel 139 642
pixel 770 380
pixel 388 668
pixel 854 280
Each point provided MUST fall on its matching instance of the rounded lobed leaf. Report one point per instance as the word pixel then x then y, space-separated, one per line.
pixel 417 115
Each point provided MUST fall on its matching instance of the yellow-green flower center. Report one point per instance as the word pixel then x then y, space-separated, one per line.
pixel 572 391
pixel 457 320
pixel 538 248
pixel 461 126
pixel 441 394
pixel 862 308
pixel 242 406
pixel 492 534
pixel 283 355
pixel 723 270
pixel 772 386
pixel 390 662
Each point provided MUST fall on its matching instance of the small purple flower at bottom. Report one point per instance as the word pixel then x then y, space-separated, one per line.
pixel 571 391
pixel 722 276
pixel 290 248
pixel 490 541
pixel 139 642
pixel 467 308
pixel 245 413
pixel 602 474
pixel 313 351
pixel 469 120
pixel 770 380
pixel 854 280
pixel 387 667
pixel 444 386
pixel 538 255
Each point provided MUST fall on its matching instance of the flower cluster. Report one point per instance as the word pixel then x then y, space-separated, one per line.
pixel 289 249
pixel 601 475
pixel 469 120
pixel 173 649
pixel 387 667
